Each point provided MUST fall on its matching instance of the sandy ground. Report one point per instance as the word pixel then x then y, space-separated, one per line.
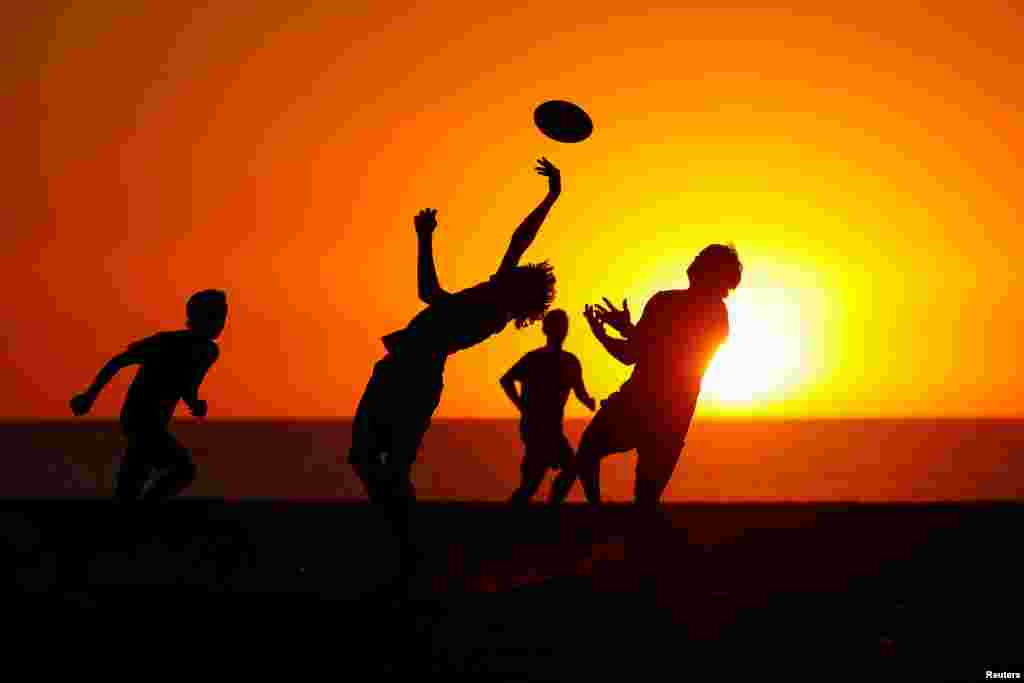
pixel 910 592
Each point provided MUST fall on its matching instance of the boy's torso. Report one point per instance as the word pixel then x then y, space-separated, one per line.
pixel 548 379
pixel 457 322
pixel 674 342
pixel 170 361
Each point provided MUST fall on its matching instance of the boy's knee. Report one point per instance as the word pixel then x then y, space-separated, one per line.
pixel 587 459
pixel 587 443
pixel 593 447
pixel 569 469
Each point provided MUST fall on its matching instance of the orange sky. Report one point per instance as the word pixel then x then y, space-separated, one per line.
pixel 863 159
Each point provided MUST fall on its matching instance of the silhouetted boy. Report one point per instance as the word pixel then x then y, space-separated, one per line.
pixel 172 366
pixel 670 348
pixel 405 387
pixel 546 375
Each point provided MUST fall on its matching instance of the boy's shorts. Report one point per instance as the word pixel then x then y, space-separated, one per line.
pixel 546 446
pixel 394 413
pixel 156 448
pixel 623 423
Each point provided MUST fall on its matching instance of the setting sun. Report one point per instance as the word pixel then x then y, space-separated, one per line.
pixel 762 357
pixel 864 160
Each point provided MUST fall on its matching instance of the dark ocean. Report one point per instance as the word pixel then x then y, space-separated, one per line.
pixel 478 460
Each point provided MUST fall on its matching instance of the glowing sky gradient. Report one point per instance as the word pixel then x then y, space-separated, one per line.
pixel 865 160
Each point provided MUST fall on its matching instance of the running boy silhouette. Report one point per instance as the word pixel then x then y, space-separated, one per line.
pixel 172 366
pixel 669 348
pixel 405 388
pixel 547 375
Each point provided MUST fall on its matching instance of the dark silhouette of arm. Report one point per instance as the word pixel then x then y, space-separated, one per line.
pixel 107 372
pixel 429 287
pixel 580 389
pixel 524 235
pixel 82 403
pixel 620 349
pixel 196 405
pixel 508 383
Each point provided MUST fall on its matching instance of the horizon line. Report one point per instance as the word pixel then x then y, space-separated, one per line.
pixel 478 418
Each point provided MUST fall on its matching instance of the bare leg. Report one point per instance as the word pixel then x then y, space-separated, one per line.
pixel 400 509
pixel 386 435
pixel 649 528
pixel 562 485
pixel 392 491
pixel 593 448
pixel 132 474
pixel 602 437
pixel 171 482
pixel 533 475
pixel 566 474
pixel 178 471
pixel 654 468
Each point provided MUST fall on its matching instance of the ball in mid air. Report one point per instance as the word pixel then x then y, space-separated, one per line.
pixel 563 121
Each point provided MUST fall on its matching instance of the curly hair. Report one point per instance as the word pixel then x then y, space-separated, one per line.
pixel 528 291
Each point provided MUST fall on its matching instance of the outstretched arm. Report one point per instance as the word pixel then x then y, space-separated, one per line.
pixel 82 403
pixel 581 392
pixel 620 349
pixel 524 235
pixel 426 272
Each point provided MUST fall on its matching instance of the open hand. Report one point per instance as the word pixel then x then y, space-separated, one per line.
pixel 595 322
pixel 620 321
pixel 426 222
pixel 82 403
pixel 546 168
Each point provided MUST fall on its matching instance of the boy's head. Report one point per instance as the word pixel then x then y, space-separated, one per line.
pixel 556 326
pixel 207 311
pixel 716 270
pixel 526 292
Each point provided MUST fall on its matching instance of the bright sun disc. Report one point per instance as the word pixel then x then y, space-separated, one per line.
pixel 761 359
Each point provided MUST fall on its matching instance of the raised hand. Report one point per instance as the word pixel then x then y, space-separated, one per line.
pixel 426 222
pixel 620 321
pixel 620 349
pixel 82 403
pixel 546 168
pixel 595 322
